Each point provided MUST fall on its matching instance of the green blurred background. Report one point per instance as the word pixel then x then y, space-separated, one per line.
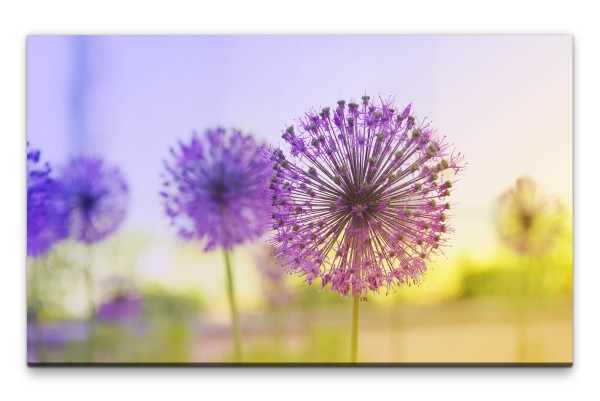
pixel 468 309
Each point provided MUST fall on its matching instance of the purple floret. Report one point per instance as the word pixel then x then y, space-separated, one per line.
pixel 214 188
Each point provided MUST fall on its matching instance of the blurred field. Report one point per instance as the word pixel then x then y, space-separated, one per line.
pixel 463 332
pixel 460 332
pixel 466 310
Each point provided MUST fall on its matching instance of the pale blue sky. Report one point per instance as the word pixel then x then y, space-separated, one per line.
pixel 504 101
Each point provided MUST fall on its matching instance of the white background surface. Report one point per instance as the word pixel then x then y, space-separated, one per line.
pixel 184 17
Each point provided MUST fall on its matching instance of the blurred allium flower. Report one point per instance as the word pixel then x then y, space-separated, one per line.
pixel 273 273
pixel 528 220
pixel 123 301
pixel 97 196
pixel 214 188
pixel 362 203
pixel 46 209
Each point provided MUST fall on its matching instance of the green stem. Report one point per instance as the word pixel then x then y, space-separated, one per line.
pixel 37 306
pixel 309 333
pixel 279 334
pixel 355 322
pixel 234 314
pixel 87 276
pixel 521 332
pixel 522 312
pixel 396 325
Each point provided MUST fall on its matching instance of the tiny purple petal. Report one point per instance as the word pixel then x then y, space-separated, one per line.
pixel 406 111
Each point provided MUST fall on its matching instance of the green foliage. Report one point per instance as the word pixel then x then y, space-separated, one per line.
pixel 160 303
pixel 510 276
pixel 311 295
pixel 322 345
pixel 139 342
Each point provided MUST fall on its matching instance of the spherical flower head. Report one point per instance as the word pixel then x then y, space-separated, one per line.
pixel 46 208
pixel 214 188
pixel 97 195
pixel 363 202
pixel 528 220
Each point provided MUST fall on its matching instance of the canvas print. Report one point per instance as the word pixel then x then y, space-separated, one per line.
pixel 351 200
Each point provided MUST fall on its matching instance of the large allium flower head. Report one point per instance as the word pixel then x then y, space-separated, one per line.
pixel 363 201
pixel 97 195
pixel 46 209
pixel 215 188
pixel 528 220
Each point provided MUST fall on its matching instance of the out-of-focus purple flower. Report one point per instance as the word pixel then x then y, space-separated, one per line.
pixel 528 220
pixel 272 269
pixel 120 308
pixel 362 202
pixel 46 208
pixel 214 188
pixel 97 197
pixel 123 301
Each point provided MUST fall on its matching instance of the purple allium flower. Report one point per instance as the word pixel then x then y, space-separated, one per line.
pixel 215 189
pixel 528 220
pixel 273 274
pixel 121 307
pixel 123 301
pixel 97 196
pixel 362 203
pixel 46 209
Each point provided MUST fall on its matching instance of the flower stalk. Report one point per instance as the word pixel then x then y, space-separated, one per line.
pixel 235 327
pixel 355 325
pixel 34 272
pixel 87 278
